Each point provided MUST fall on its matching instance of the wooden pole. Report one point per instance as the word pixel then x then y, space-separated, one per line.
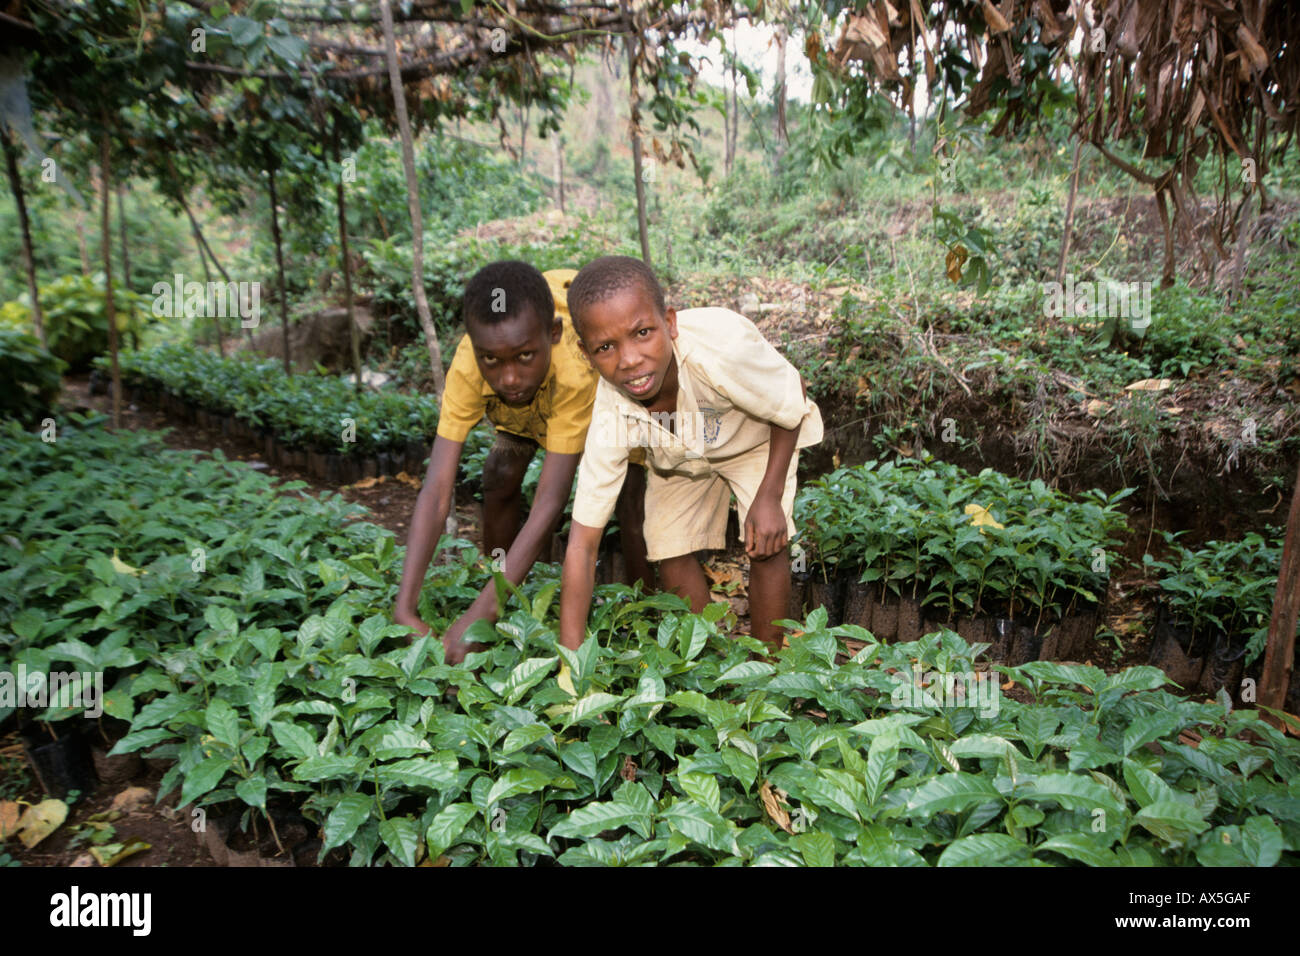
pixel 1279 652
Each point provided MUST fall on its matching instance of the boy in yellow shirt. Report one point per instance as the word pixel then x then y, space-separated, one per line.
pixel 718 411
pixel 520 367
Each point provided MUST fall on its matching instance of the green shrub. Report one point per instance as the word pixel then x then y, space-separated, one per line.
pixel 275 680
pixel 32 376
pixel 966 543
pixel 72 309
pixel 1225 587
pixel 302 410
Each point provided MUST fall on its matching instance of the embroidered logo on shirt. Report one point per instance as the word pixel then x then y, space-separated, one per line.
pixel 711 420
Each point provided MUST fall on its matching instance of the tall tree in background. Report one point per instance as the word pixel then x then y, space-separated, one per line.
pixel 634 123
pixel 412 201
pixel 781 39
pixel 29 263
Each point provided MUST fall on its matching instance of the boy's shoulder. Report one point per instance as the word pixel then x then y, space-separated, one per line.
pixel 714 335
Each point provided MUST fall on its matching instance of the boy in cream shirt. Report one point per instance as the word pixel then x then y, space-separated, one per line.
pixel 718 411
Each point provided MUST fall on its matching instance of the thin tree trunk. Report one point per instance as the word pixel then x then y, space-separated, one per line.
pixel 782 134
pixel 29 261
pixel 559 170
pixel 353 332
pixel 126 251
pixel 412 200
pixel 81 242
pixel 1069 212
pixel 279 262
pixel 110 310
pixel 523 135
pixel 207 278
pixel 635 102
pixel 1279 652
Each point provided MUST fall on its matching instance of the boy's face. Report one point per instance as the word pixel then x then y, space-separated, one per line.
pixel 514 355
pixel 630 342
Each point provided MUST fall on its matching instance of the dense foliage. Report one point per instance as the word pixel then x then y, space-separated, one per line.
pixel 304 410
pixel 73 310
pixel 1224 588
pixel 32 376
pixel 274 678
pixel 977 544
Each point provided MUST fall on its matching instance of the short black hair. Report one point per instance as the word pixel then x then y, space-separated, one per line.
pixel 502 290
pixel 608 276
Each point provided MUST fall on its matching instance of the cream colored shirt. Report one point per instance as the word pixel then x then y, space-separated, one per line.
pixel 732 386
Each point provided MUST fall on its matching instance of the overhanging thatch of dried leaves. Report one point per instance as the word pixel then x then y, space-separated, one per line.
pixel 1193 77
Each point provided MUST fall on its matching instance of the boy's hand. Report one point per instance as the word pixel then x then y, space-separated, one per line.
pixel 765 527
pixel 413 622
pixel 454 648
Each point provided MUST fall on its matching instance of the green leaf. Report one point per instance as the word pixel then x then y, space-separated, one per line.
pixel 352 810
pixel 525 675
pixel 1079 847
pixel 1262 841
pixel 816 848
pixel 1172 821
pixel 593 818
pixel 1149 727
pixel 328 767
pixel 141 739
pixel 294 738
pixel 447 826
pixel 516 781
pixel 745 670
pixel 981 849
pixel 402 837
pixel 252 791
pixel 701 787
pixel 525 736
pixel 952 792
pixel 437 772
pixel 223 722
pixel 882 761
pixel 1073 792
pixel 203 778
pixel 592 705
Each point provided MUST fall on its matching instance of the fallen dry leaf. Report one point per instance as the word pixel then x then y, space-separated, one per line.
pixel 774 803
pixel 406 479
pixel 112 854
pixel 1149 385
pixel 628 772
pixel 40 821
pixel 131 799
pixel 368 482
pixel 10 812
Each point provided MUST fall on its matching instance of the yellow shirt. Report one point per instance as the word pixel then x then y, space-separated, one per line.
pixel 733 385
pixel 558 416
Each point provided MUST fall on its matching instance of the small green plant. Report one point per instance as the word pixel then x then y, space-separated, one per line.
pixel 32 377
pixel 1226 587
pixel 969 544
pixel 73 311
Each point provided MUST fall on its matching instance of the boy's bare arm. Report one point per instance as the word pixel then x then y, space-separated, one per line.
pixel 548 504
pixel 765 527
pixel 427 524
pixel 578 582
